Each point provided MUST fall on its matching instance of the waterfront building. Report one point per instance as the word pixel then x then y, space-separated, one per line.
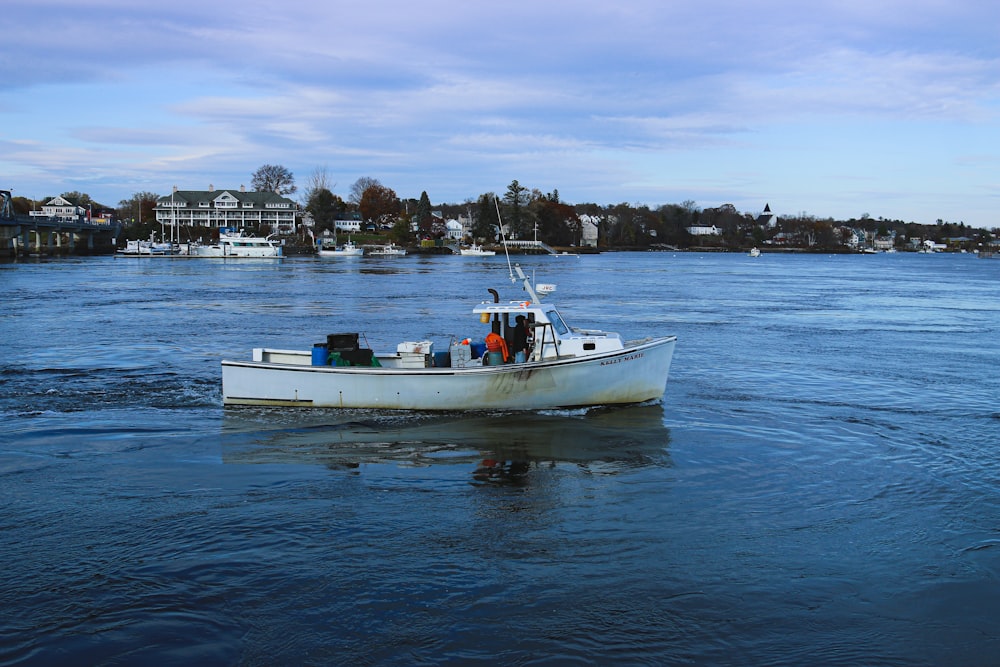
pixel 60 209
pixel 235 209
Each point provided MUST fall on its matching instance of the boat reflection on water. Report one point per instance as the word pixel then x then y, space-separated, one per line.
pixel 500 447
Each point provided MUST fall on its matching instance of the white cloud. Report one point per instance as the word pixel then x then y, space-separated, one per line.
pixel 629 100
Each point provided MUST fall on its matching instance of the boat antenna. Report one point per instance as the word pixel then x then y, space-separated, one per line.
pixel 503 238
pixel 528 287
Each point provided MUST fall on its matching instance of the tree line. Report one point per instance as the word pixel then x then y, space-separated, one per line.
pixel 531 214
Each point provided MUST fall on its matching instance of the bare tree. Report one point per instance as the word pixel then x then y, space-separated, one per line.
pixel 318 180
pixel 359 187
pixel 273 178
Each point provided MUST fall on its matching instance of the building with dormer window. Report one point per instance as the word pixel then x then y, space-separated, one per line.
pixel 60 209
pixel 234 209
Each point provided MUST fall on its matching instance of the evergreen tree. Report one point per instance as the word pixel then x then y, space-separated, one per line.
pixel 324 206
pixel 486 223
pixel 515 199
pixel 423 216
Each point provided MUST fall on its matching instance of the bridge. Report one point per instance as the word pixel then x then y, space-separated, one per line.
pixel 38 235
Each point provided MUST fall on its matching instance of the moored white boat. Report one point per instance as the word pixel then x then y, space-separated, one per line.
pixel 349 249
pixel 236 245
pixel 754 252
pixel 390 250
pixel 476 251
pixel 561 367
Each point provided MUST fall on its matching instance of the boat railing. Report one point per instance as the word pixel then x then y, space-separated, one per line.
pixel 592 332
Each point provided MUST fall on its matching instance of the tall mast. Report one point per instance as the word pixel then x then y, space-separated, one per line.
pixel 173 214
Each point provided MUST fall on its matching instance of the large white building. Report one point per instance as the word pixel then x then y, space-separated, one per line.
pixel 237 209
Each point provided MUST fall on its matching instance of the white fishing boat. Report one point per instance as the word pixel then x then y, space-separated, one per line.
pixel 237 245
pixel 754 252
pixel 390 250
pixel 476 251
pixel 349 249
pixel 559 367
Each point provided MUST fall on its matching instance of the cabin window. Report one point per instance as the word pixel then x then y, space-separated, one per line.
pixel 589 346
pixel 557 323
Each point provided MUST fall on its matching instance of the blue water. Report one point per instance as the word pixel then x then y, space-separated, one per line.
pixel 820 484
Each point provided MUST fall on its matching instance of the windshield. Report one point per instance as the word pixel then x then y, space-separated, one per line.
pixel 557 322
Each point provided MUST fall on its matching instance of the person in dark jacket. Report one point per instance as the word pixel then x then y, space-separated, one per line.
pixel 519 340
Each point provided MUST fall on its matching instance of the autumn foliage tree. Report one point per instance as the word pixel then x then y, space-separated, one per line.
pixel 359 187
pixel 379 204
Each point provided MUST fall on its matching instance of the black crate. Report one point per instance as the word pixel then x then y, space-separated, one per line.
pixel 339 342
pixel 359 357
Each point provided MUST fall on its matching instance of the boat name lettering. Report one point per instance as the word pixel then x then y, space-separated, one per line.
pixel 627 357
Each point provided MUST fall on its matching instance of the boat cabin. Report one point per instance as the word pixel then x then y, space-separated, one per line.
pixel 549 335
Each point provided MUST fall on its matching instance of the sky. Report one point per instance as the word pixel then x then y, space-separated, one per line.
pixel 838 108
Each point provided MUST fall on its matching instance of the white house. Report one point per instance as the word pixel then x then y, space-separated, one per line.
pixel 852 239
pixel 704 231
pixel 454 229
pixel 884 243
pixel 347 225
pixel 589 226
pixel 60 209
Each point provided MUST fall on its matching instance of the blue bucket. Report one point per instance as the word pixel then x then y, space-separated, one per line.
pixel 319 354
pixel 442 359
pixel 495 359
pixel 478 349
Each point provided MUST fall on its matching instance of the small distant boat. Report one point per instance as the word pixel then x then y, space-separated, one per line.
pixel 349 249
pixel 148 249
pixel 236 245
pixel 390 250
pixel 476 251
pixel 561 367
pixel 754 252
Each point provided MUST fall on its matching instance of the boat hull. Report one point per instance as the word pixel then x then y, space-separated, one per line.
pixel 634 374
pixel 239 253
